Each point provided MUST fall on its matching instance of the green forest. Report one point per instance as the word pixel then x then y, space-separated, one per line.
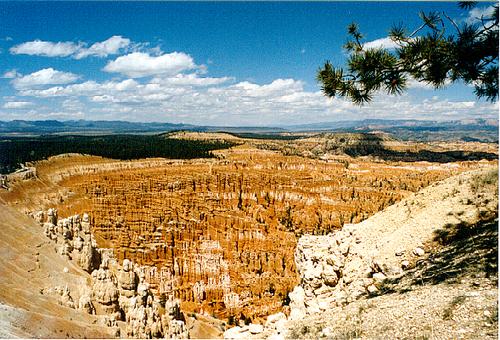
pixel 17 150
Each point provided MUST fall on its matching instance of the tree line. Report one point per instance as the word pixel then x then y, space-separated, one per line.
pixel 15 151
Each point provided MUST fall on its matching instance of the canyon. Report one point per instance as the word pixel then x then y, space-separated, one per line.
pixel 427 267
pixel 215 237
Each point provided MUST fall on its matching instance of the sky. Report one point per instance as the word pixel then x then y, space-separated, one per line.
pixel 206 63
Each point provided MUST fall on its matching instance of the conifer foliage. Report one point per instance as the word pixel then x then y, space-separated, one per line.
pixel 438 52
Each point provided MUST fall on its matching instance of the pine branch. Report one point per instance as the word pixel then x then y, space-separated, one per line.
pixel 452 22
pixel 417 30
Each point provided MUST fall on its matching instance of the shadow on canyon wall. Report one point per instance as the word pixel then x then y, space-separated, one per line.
pixel 372 145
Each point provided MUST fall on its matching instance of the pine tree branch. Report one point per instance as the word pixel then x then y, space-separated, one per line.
pixel 452 22
pixel 417 30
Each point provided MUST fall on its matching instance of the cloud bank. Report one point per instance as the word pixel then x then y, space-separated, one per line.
pixel 225 102
pixel 153 85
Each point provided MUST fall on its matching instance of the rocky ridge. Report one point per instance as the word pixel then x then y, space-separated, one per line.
pixel 351 269
pixel 120 293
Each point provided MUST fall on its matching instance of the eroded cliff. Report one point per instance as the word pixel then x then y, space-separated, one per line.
pixel 426 266
pixel 220 235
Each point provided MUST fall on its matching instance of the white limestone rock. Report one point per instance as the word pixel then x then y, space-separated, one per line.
pixel 89 258
pixel 419 251
pixel 127 279
pixel 379 277
pixel 233 333
pixel 105 290
pixel 255 328
pixel 273 319
pixel 405 264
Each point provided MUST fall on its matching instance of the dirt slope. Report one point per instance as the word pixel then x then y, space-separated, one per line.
pixel 463 199
pixel 30 269
pixel 449 294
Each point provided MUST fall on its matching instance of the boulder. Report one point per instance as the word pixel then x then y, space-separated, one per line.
pixel 233 333
pixel 372 289
pixel 419 251
pixel 273 319
pixel 405 264
pixel 255 329
pixel 379 277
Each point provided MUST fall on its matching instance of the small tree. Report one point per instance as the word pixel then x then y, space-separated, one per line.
pixel 427 54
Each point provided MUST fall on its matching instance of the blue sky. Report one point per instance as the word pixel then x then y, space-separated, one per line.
pixel 218 63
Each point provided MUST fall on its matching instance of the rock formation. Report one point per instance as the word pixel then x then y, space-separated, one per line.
pixel 65 299
pixel 119 293
pixel 219 236
pixel 105 289
pixel 127 279
pixel 72 237
pixel 338 269
pixel 222 235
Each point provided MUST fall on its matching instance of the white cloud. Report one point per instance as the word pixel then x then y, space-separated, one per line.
pixel 278 87
pixel 17 105
pixel 412 83
pixel 381 43
pixel 139 64
pixel 46 48
pixel 46 76
pixel 88 88
pixel 477 13
pixel 415 84
pixel 113 45
pixel 11 74
pixel 190 80
pixel 174 95
pixel 110 46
